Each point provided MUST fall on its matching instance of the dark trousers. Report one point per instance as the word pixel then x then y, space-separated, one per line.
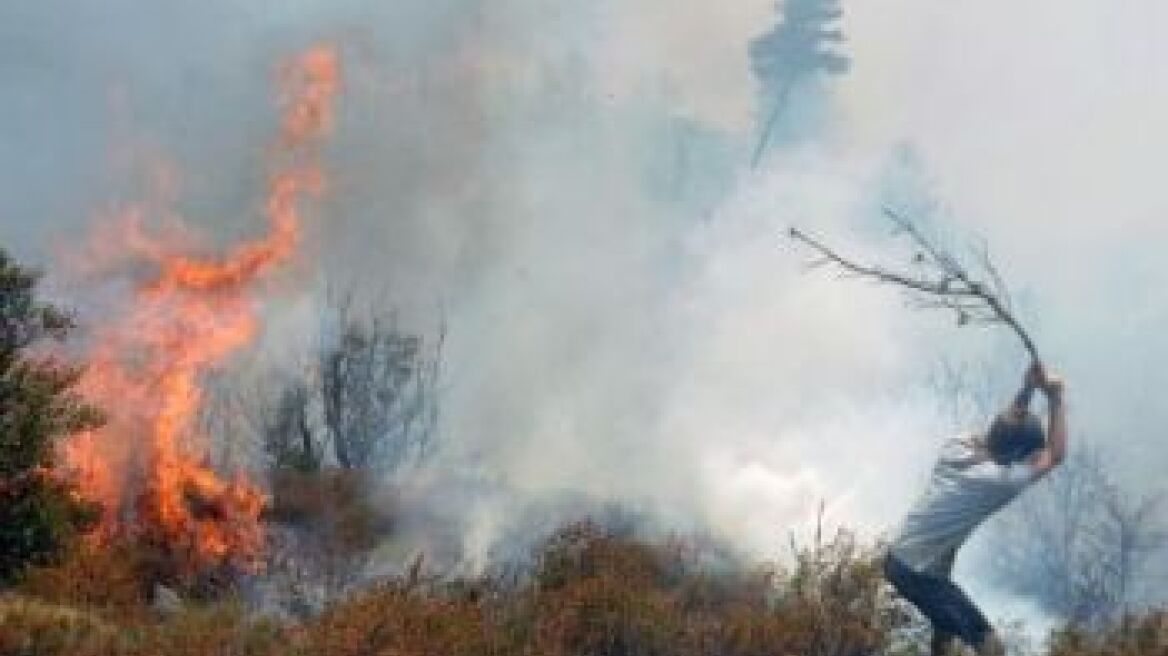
pixel 945 605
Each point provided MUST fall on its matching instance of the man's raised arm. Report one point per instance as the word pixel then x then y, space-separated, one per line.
pixel 1056 441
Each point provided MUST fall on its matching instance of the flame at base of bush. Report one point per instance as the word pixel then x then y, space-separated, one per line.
pixel 148 466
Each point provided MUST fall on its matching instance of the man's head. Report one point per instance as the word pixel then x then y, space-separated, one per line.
pixel 1015 436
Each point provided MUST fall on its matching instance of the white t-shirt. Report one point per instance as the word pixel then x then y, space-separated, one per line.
pixel 966 487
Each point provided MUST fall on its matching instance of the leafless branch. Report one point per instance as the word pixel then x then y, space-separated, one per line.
pixel 943 283
pixel 378 388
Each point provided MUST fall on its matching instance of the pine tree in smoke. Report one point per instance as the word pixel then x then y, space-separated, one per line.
pixel 803 44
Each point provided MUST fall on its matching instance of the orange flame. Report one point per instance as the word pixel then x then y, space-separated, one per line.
pixel 147 465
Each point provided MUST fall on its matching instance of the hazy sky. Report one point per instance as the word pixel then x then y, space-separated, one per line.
pixel 570 181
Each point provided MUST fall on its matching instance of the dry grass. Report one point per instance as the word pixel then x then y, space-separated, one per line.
pixel 110 580
pixel 33 627
pixel 589 593
pixel 1145 635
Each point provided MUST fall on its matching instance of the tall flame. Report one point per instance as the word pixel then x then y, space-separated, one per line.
pixel 148 464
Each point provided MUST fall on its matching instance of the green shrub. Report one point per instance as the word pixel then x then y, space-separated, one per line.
pixel 40 514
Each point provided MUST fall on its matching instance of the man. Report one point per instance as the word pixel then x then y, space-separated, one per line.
pixel 974 477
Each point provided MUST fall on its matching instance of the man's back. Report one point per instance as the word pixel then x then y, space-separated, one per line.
pixel 965 488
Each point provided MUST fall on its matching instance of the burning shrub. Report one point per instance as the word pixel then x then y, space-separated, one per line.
pixel 188 313
pixel 40 513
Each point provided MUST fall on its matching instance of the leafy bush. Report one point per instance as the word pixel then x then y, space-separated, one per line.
pixel 40 514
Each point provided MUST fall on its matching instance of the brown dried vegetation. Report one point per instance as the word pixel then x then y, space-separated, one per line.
pixel 590 592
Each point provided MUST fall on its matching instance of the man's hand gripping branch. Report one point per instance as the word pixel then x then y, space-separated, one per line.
pixel 1053 388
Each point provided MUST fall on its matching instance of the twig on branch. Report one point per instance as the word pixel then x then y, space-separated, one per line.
pixel 943 282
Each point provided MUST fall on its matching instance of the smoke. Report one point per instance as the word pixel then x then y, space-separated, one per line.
pixel 568 184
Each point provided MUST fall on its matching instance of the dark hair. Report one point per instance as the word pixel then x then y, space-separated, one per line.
pixel 1015 436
